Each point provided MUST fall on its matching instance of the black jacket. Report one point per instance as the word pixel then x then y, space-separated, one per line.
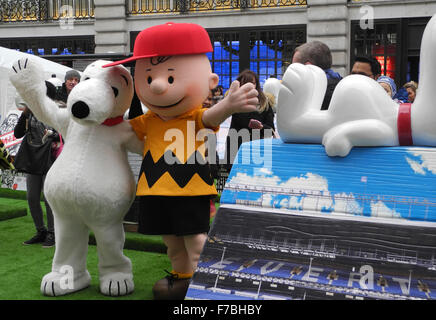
pixel 61 94
pixel 240 121
pixel 28 121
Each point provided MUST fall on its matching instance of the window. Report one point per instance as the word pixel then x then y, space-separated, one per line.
pixel 268 51
pixel 51 46
pixel 271 51
pixel 381 42
pixel 225 56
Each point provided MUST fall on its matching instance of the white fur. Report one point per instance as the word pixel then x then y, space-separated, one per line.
pixel 90 186
pixel 360 111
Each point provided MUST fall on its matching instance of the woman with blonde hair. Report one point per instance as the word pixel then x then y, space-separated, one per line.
pixel 411 88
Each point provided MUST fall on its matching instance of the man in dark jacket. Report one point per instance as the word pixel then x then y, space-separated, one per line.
pixel 72 78
pixel 366 66
pixel 318 54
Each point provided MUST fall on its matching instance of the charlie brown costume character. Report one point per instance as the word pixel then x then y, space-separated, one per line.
pixel 172 78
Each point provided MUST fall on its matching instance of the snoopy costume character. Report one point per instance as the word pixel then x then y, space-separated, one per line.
pixel 172 78
pixel 90 186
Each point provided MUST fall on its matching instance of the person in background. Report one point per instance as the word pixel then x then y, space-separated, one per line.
pixel 318 53
pixel 217 94
pixel 72 78
pixel 411 88
pixel 136 108
pixel 209 102
pixel 35 182
pixel 401 95
pixel 261 119
pixel 389 85
pixel 366 66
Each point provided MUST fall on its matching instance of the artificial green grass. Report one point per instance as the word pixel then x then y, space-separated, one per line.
pixel 12 194
pixel 12 208
pixel 22 267
pixel 140 242
pixel 13 205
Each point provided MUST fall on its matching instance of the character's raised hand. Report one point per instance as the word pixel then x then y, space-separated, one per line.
pixel 27 77
pixel 239 99
pixel 242 98
pixel 255 124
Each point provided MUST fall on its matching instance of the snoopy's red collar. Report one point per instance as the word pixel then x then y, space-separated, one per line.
pixel 113 121
pixel 404 125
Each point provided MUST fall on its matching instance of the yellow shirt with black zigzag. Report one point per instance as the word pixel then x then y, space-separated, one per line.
pixel 173 159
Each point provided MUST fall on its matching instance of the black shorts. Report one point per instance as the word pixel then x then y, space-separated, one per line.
pixel 180 216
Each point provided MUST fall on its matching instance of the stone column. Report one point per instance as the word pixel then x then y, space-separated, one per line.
pixel 111 34
pixel 328 22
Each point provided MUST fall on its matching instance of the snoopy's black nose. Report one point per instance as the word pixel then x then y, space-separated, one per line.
pixel 80 109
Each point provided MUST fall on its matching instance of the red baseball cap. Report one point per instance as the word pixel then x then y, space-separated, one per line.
pixel 169 39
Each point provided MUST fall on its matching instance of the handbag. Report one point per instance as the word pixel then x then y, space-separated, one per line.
pixel 58 148
pixel 33 159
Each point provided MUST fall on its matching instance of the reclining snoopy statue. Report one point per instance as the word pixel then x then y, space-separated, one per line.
pixel 360 111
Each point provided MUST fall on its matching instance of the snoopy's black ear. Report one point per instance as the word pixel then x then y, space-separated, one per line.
pixel 135 108
pixel 51 90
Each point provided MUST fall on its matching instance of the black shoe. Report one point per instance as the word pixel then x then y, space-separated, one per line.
pixel 170 288
pixel 38 238
pixel 49 240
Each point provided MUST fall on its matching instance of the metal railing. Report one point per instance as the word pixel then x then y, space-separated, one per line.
pixel 48 10
pixel 144 7
pixel 78 9
pixel 45 10
pixel 415 208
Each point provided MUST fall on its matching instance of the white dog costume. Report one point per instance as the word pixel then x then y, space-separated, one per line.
pixel 90 185
pixel 360 111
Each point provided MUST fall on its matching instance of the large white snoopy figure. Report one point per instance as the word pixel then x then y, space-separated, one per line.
pixel 90 186
pixel 272 86
pixel 360 111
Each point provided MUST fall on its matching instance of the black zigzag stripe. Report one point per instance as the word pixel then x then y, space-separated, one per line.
pixel 180 172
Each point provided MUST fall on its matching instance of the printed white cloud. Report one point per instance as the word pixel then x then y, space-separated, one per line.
pixel 428 160
pixel 308 182
pixel 267 200
pixel 346 203
pixel 311 190
pixel 265 171
pixel 284 203
pixel 416 166
pixel 317 199
pixel 245 179
pixel 295 203
pixel 379 209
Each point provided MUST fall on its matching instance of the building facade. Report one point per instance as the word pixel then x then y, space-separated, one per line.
pixel 256 34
